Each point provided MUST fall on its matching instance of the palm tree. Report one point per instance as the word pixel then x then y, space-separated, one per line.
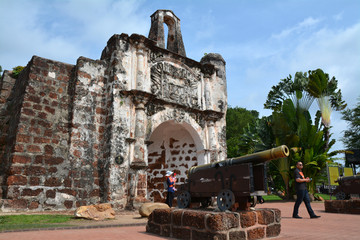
pixel 324 90
pixel 288 89
pixel 293 127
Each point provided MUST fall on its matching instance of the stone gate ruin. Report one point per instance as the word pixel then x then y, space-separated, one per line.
pixel 107 130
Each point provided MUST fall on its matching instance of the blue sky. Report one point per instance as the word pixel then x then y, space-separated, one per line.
pixel 262 41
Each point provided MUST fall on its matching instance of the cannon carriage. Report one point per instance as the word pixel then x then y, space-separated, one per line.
pixel 234 181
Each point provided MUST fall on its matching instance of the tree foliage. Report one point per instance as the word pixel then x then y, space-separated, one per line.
pixel 236 120
pixel 351 137
pixel 292 124
pixel 290 89
pixel 16 71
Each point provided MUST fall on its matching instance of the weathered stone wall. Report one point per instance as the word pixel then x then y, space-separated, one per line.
pixel 106 130
pixel 35 164
pixel 195 224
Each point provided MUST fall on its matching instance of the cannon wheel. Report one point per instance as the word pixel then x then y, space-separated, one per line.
pixel 340 195
pixel 184 199
pixel 225 200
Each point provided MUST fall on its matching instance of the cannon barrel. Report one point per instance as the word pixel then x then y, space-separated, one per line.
pixel 255 158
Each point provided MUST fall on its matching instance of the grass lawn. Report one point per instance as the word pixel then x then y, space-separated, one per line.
pixel 269 198
pixel 325 196
pixel 12 222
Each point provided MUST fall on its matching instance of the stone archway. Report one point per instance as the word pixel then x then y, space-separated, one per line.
pixel 175 147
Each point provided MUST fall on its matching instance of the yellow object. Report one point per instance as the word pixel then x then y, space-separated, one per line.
pixel 348 172
pixel 333 175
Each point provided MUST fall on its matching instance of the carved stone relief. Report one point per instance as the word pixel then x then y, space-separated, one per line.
pixel 175 84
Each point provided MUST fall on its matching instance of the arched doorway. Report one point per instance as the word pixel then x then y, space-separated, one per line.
pixel 175 147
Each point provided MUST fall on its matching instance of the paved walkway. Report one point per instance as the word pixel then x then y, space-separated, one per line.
pixel 329 226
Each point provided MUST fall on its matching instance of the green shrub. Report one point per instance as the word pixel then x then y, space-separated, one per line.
pixel 16 71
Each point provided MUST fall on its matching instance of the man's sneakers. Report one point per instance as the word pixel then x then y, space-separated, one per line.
pixel 314 216
pixel 297 216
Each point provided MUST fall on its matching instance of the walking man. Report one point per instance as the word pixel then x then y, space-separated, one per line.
pixel 301 192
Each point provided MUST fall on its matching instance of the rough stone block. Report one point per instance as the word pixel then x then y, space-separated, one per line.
pixel 165 230
pixel 223 221
pixel 162 216
pixel 19 148
pixel 16 170
pixel 355 203
pixel 41 140
pixel 52 170
pixel 54 160
pixel 68 204
pixel 28 112
pixel 176 217
pixel 256 233
pixel 194 219
pixel 30 192
pixel 52 182
pixel 277 215
pixel 33 205
pixel 247 219
pixel 39 159
pixel 33 149
pixel 181 233
pixel 16 180
pixel 49 150
pixel 273 230
pixel 68 191
pixel 50 194
pixel 153 228
pixel 198 235
pixel 21 159
pixel 35 171
pixel 34 181
pixel 15 203
pixel 265 217
pixel 237 235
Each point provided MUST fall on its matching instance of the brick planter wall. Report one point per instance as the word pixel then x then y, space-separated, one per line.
pixel 199 224
pixel 343 206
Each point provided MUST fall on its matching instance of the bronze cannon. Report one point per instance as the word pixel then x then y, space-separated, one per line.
pixel 234 181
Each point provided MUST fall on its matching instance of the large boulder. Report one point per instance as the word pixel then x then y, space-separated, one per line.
pixel 146 209
pixel 95 212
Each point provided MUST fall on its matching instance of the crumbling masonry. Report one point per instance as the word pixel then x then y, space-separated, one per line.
pixel 107 130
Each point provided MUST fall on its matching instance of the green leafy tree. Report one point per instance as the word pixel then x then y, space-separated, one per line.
pixel 290 89
pixel 1 71
pixel 257 136
pixel 303 90
pixel 236 120
pixel 351 137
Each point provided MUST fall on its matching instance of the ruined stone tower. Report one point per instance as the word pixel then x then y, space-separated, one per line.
pixel 107 130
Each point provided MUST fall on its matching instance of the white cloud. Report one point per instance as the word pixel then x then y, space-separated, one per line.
pixel 305 25
pixel 337 52
pixel 79 28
